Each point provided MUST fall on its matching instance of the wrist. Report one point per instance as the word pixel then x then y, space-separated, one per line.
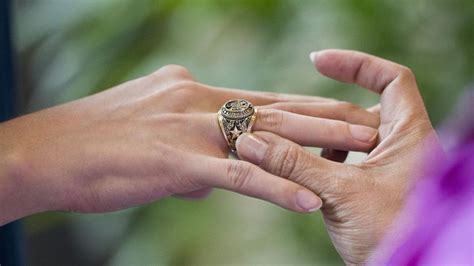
pixel 16 197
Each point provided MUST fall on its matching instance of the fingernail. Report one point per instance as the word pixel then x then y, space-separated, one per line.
pixel 363 133
pixel 251 148
pixel 308 201
pixel 313 56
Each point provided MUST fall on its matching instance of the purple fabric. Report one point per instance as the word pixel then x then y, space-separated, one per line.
pixel 441 210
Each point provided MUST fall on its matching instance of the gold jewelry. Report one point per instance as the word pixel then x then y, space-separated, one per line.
pixel 235 118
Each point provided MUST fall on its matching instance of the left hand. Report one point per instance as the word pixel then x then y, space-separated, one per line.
pixel 154 137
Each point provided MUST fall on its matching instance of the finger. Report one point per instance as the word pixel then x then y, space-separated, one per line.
pixel 334 155
pixel 349 113
pixel 315 131
pixel 395 83
pixel 342 111
pixel 263 98
pixel 286 159
pixel 248 179
pixel 341 156
pixel 366 70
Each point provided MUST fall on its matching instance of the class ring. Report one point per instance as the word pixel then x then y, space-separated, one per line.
pixel 236 117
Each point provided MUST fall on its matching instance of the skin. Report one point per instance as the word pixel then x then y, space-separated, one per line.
pixel 158 136
pixel 360 201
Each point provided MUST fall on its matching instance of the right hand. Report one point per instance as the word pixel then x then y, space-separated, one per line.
pixel 153 137
pixel 360 201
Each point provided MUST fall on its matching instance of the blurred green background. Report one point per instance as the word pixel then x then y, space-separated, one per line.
pixel 68 49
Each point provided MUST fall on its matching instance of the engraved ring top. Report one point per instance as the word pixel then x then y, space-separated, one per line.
pixel 235 118
pixel 237 109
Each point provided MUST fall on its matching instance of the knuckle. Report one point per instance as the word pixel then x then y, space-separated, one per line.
pixel 180 95
pixel 184 89
pixel 287 161
pixel 174 69
pixel 270 118
pixel 239 174
pixel 185 86
pixel 171 72
pixel 351 112
pixel 348 107
pixel 283 106
pixel 406 72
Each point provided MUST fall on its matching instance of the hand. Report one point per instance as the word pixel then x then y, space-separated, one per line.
pixel 359 201
pixel 154 137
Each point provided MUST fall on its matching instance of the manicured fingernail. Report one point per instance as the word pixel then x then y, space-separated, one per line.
pixel 308 201
pixel 363 133
pixel 251 148
pixel 313 56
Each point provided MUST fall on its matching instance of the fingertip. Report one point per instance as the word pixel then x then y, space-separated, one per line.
pixel 363 134
pixel 251 148
pixel 313 56
pixel 335 63
pixel 308 201
pixel 320 59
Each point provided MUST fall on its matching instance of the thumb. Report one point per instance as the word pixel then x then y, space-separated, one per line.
pixel 287 159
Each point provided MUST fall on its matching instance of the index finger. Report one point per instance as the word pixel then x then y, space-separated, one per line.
pixel 365 70
pixel 396 83
pixel 265 97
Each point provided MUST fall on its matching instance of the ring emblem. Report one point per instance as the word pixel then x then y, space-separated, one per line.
pixel 235 118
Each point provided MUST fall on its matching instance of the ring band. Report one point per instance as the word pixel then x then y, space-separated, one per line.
pixel 235 118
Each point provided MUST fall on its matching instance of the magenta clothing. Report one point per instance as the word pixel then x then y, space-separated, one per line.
pixel 442 207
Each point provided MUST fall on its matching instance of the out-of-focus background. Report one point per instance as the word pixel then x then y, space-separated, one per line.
pixel 68 49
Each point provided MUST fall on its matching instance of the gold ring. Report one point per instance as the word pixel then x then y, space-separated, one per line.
pixel 235 118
